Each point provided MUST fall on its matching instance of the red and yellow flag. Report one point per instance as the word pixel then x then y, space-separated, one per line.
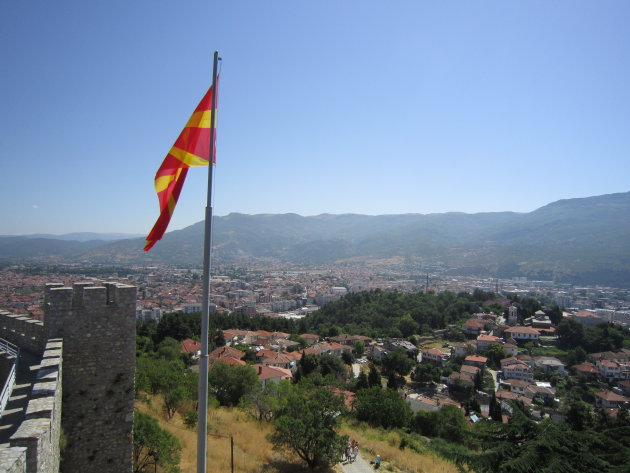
pixel 192 148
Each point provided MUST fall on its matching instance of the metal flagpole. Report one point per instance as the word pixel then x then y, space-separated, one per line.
pixel 202 420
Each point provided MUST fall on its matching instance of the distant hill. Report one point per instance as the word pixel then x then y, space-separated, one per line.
pixel 26 248
pixel 575 240
pixel 85 236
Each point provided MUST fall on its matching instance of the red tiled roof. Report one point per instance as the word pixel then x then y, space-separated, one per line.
pixel 487 338
pixel 190 346
pixel 269 372
pixel 611 396
pixel 278 358
pixel 506 395
pixel 228 360
pixel 470 370
pixel 263 353
pixel 474 323
pixel 226 351
pixel 522 330
pixel 476 359
pixel 587 368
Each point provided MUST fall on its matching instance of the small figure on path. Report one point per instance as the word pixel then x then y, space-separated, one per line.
pixel 349 451
pixel 377 463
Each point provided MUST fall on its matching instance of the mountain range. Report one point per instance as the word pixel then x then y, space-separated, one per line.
pixel 584 241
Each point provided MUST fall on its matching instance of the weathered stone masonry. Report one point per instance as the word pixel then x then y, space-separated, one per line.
pixel 97 327
pixel 34 447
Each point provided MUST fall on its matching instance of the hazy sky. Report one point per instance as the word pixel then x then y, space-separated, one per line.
pixel 325 107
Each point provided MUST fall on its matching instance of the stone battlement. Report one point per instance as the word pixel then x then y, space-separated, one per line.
pixel 23 331
pixel 85 294
pixel 92 328
pixel 34 447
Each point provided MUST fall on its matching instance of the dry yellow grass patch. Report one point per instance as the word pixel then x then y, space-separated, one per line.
pixel 253 453
pixel 386 444
pixel 435 344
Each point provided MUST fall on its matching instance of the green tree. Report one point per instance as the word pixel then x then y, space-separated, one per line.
pixel 169 349
pixel 158 376
pixel 331 365
pixel 547 447
pixel 452 424
pixel 425 423
pixel 296 338
pixel 265 403
pixel 397 361
pixel 374 378
pixel 347 357
pixel 230 383
pixel 570 334
pixel 381 407
pixel 425 373
pixel 576 356
pixel 359 349
pixel 495 354
pixel 306 425
pixel 408 326
pixel 308 364
pixel 178 326
pixel 219 338
pixel 362 381
pixel 152 445
pixel 144 345
pixel 174 399
pixel 495 409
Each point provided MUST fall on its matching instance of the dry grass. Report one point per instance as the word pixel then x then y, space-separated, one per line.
pixel 435 344
pixel 386 444
pixel 252 451
pixel 254 454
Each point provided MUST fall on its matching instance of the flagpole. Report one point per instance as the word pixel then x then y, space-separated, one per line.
pixel 202 419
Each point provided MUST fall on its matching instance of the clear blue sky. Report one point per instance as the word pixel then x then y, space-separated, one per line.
pixel 325 107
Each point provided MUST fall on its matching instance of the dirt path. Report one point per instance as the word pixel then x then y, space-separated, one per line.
pixel 359 465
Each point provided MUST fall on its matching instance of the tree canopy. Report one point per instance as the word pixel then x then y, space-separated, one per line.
pixel 394 314
pixel 306 425
pixel 153 445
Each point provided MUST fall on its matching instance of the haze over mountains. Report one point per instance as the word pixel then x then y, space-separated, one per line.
pixel 583 240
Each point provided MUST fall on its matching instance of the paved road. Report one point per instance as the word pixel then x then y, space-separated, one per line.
pixel 358 466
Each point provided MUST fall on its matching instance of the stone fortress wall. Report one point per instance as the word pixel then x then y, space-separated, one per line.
pixel 34 447
pixel 27 333
pixel 92 329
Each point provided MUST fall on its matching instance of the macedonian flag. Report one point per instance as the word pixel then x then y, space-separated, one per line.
pixel 192 148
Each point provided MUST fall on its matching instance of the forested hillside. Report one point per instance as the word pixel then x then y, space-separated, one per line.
pixel 400 314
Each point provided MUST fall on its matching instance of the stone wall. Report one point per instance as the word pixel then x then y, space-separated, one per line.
pixel 34 447
pixel 92 330
pixel 23 331
pixel 98 328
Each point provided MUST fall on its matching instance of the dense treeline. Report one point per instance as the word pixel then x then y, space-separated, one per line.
pixel 396 314
pixel 601 443
pixel 602 337
pixel 373 313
